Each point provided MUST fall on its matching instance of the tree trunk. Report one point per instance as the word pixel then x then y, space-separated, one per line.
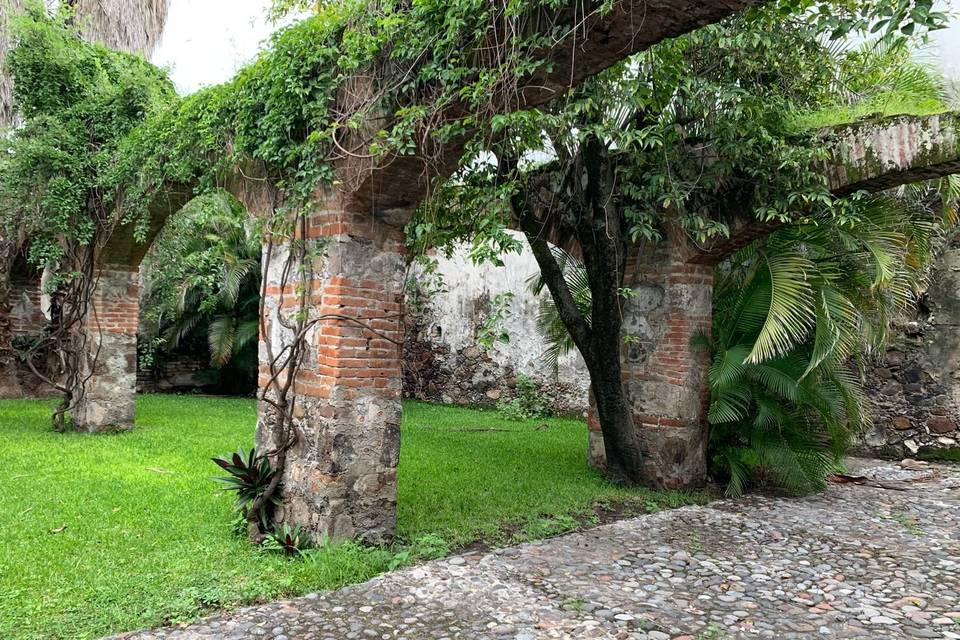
pixel 624 457
pixel 596 221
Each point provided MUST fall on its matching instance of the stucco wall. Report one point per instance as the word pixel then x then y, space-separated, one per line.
pixel 444 361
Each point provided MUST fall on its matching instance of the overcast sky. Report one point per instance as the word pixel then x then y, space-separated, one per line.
pixel 206 41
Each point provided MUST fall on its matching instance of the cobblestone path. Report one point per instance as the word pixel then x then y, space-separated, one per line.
pixel 880 560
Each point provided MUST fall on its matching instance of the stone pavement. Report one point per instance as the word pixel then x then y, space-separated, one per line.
pixel 858 561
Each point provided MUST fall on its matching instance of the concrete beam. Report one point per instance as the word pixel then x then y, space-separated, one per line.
pixel 592 42
pixel 871 156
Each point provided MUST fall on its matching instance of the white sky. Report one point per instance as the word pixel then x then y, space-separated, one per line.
pixel 206 41
pixel 944 49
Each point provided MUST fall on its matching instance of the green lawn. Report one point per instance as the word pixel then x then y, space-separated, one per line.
pixel 103 534
pixel 884 106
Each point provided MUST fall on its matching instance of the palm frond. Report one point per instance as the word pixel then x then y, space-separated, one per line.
pixel 222 336
pixel 789 316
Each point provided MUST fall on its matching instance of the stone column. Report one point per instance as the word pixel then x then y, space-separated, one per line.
pixel 340 476
pixel 665 379
pixel 109 370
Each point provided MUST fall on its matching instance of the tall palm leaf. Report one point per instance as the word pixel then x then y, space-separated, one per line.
pixel 796 315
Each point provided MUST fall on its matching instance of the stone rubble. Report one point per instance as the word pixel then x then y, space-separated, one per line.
pixel 879 560
pixel 915 390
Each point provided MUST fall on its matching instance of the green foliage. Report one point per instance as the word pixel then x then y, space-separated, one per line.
pixel 879 80
pixel 291 541
pixel 143 517
pixel 202 288
pixel 422 283
pixel 426 547
pixel 107 124
pixel 78 102
pixel 951 454
pixel 701 128
pixel 794 317
pixel 713 632
pixel 491 330
pixel 549 324
pixel 549 527
pixel 288 111
pixel 250 475
pixel 528 401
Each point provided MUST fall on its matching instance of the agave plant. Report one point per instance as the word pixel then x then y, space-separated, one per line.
pixel 288 540
pixel 249 477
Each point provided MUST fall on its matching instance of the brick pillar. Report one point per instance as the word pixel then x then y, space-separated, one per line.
pixel 340 477
pixel 665 380
pixel 110 366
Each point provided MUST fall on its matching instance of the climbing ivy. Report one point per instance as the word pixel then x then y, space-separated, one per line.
pixel 713 125
pixel 360 82
pixel 78 103
pixel 108 126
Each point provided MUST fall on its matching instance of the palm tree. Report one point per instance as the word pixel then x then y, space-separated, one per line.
pixel 797 315
pixel 203 287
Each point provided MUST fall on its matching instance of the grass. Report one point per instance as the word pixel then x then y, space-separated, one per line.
pixel 908 522
pixel 883 106
pixel 103 534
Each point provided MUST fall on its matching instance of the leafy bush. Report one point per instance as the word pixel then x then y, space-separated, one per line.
pixel 288 540
pixel 796 317
pixel 527 403
pixel 427 547
pixel 346 562
pixel 249 477
pixel 202 291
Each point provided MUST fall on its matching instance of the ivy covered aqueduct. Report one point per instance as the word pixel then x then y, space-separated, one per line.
pixel 338 167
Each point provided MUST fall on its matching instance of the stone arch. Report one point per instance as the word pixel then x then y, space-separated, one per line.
pixel 340 479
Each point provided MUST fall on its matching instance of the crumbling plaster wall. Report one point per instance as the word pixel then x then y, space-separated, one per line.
pixel 444 361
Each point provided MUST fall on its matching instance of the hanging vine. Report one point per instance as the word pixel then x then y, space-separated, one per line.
pixel 359 86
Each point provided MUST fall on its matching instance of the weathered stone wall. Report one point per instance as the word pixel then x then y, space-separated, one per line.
pixel 443 360
pixel 915 389
pixel 664 378
pixel 177 371
pixel 110 368
pixel 340 475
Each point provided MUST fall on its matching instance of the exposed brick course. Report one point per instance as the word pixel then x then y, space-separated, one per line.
pixel 664 378
pixel 340 477
pixel 110 367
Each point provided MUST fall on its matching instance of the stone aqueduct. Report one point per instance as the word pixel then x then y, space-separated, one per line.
pixel 340 477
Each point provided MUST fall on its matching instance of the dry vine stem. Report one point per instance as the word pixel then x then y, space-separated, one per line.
pixel 279 390
pixel 66 337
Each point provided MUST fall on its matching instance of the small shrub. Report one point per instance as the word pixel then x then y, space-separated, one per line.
pixel 528 402
pixel 491 330
pixel 426 547
pixel 349 562
pixel 249 477
pixel 549 526
pixel 288 540
pixel 430 546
